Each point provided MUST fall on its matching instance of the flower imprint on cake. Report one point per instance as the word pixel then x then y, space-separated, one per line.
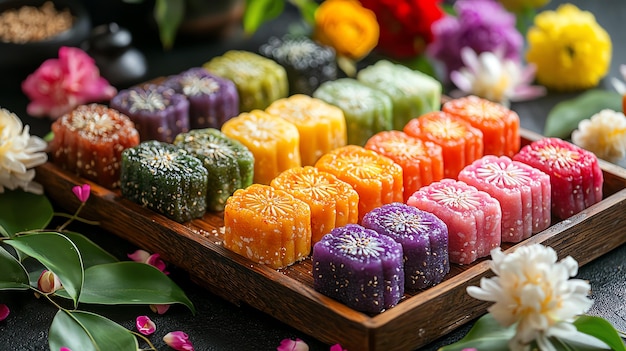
pixel 161 160
pixel 93 123
pixel 456 198
pixel 557 156
pixel 499 173
pixel 404 222
pixel 355 98
pixel 146 100
pixel 446 127
pixel 360 245
pixel 270 204
pixel 194 85
pixel 403 149
pixel 315 187
pixel 362 167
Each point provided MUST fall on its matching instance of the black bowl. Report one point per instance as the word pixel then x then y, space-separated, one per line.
pixel 28 56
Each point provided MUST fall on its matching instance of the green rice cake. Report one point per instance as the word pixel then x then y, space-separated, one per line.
pixel 229 163
pixel 412 93
pixel 166 179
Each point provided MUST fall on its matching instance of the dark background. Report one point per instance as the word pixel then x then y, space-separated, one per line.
pixel 219 325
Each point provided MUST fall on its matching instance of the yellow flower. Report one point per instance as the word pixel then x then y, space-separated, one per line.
pixel 570 49
pixel 521 5
pixel 349 28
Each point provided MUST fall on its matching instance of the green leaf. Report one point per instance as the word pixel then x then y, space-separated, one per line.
pixel 13 275
pixel 168 15
pixel 486 335
pixel 58 254
pixel 90 252
pixel 563 119
pixel 86 331
pixel 259 12
pixel 126 283
pixel 307 9
pixel 601 329
pixel 14 219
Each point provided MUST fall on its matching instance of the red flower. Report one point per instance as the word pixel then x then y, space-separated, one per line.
pixel 405 25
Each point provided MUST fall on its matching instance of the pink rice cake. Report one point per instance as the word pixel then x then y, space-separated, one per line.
pixel 473 217
pixel 523 191
pixel 575 175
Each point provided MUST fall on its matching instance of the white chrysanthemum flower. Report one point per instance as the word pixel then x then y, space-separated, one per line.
pixel 533 290
pixel 491 76
pixel 604 134
pixel 19 154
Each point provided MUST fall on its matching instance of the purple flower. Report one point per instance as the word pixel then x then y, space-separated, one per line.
pixel 178 341
pixel 160 308
pixel 292 345
pixel 4 311
pixel 145 325
pixel 154 260
pixel 82 192
pixel 482 25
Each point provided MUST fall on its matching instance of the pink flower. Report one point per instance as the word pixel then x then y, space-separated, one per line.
pixel 59 85
pixel 145 325
pixel 155 260
pixel 64 349
pixel 82 192
pixel 292 345
pixel 48 282
pixel 470 349
pixel 159 309
pixel 4 312
pixel 337 347
pixel 178 341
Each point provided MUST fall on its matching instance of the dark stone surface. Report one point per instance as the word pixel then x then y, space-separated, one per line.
pixel 218 324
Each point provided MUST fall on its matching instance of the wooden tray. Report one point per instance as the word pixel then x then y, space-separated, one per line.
pixel 288 294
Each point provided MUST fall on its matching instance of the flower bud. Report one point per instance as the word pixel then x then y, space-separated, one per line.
pixel 48 282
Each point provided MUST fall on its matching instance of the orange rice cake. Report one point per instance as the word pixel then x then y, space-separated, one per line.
pixel 268 226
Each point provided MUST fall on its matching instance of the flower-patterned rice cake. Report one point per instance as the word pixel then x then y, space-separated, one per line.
pixel 523 191
pixel 461 144
pixel 322 126
pixel 89 141
pixel 333 202
pixel 159 113
pixel 212 100
pixel 359 268
pixel 412 93
pixel 367 110
pixel 500 125
pixel 268 226
pixel 473 217
pixel 575 174
pixel 376 178
pixel 421 161
pixel 259 80
pixel 308 64
pixel 424 240
pixel 274 142
pixel 230 165
pixel 165 179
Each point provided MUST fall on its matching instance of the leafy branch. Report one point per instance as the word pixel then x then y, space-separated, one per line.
pixel 88 273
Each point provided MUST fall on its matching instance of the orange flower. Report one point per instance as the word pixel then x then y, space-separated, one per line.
pixel 348 27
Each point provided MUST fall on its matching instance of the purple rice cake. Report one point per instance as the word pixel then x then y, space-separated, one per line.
pixel 159 113
pixel 424 240
pixel 359 268
pixel 212 99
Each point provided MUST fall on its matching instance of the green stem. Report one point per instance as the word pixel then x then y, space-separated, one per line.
pixel 74 217
pixel 79 219
pixel 144 339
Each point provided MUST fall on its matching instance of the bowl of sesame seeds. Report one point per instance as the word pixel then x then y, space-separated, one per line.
pixel 32 31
